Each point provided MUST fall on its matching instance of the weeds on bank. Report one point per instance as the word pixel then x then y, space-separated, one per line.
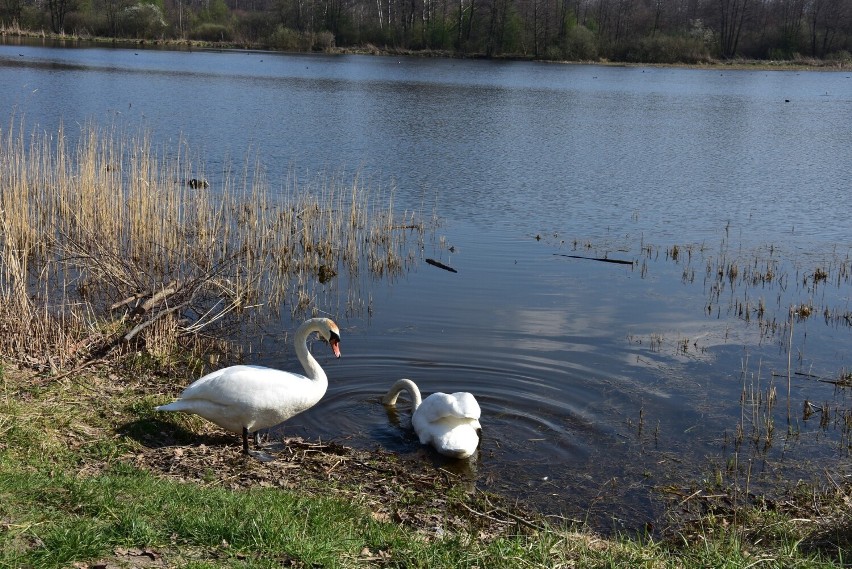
pixel 112 242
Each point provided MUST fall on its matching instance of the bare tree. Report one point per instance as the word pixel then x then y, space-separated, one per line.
pixel 731 18
pixel 58 10
pixel 792 13
pixel 112 9
pixel 826 17
pixel 10 11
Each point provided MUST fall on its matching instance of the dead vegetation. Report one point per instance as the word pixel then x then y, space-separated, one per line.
pixel 410 492
pixel 107 246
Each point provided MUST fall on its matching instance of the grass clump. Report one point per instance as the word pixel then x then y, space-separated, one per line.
pixel 62 519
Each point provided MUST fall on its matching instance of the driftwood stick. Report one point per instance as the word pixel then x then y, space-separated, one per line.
pixel 482 514
pixel 155 298
pixel 126 301
pixel 601 259
pixel 142 325
pixel 79 368
pixel 835 381
pixel 503 511
pixel 808 375
pixel 441 265
pixel 158 297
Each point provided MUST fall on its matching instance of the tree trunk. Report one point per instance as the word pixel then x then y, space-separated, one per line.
pixel 58 10
pixel 731 17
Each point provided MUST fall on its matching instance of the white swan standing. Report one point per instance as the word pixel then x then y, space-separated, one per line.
pixel 244 399
pixel 450 423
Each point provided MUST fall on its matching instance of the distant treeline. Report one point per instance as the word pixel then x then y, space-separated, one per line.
pixel 648 31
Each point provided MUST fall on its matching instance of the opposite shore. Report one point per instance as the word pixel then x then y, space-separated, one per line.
pixel 17 36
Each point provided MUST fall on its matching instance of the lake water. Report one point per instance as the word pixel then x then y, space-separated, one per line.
pixel 600 383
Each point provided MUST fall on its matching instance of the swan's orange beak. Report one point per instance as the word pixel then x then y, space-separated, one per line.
pixel 334 342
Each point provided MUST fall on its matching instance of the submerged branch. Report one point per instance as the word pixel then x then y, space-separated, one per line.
pixel 601 259
pixel 441 265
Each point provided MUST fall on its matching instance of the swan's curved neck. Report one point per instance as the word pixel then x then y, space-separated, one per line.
pixel 312 368
pixel 404 385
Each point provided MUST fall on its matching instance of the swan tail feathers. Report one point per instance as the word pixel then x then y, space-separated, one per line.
pixel 439 406
pixel 465 406
pixel 178 405
pixel 449 439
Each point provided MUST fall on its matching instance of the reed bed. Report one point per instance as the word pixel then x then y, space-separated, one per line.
pixel 106 244
pixel 762 285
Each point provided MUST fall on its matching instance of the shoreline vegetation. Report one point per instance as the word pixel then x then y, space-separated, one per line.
pixel 110 245
pixel 119 277
pixel 798 63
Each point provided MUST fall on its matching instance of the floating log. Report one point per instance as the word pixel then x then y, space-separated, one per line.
pixel 842 382
pixel 601 259
pixel 441 265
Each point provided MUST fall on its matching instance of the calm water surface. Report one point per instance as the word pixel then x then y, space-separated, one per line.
pixel 598 381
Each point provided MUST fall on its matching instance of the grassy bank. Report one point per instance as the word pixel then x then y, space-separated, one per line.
pixel 91 476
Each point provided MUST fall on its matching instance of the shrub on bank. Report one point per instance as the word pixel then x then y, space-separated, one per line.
pixel 211 32
pixel 666 49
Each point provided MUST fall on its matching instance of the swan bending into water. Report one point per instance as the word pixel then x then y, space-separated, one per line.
pixel 244 399
pixel 450 423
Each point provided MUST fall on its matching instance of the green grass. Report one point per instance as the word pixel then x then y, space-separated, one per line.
pixel 60 519
pixel 54 519
pixel 65 519
pixel 72 493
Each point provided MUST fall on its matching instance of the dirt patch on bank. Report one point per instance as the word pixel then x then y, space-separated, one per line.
pixel 431 500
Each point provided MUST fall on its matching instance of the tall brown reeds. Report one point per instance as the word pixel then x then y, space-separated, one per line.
pixel 105 242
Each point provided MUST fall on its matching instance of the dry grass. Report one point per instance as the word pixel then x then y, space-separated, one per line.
pixel 104 245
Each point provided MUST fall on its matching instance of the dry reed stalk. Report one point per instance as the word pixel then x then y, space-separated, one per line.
pixel 105 241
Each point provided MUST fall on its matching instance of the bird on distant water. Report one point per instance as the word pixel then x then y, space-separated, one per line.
pixel 197 184
pixel 448 422
pixel 245 399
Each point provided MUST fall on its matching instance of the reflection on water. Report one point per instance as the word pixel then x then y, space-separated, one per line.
pixel 594 395
pixel 598 382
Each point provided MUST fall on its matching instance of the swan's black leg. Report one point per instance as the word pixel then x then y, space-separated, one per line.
pixel 245 440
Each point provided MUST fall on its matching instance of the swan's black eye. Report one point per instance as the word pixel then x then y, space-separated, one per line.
pixel 332 336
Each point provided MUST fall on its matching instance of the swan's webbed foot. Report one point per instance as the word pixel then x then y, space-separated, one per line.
pixel 257 454
pixel 257 439
pixel 256 436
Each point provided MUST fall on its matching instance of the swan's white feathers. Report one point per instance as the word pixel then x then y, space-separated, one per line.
pixel 448 422
pixel 457 438
pixel 440 406
pixel 246 398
